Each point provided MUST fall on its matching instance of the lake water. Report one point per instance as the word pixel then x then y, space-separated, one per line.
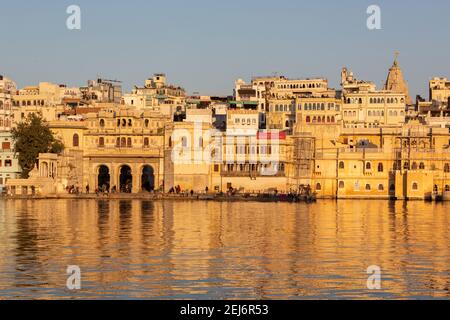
pixel 209 250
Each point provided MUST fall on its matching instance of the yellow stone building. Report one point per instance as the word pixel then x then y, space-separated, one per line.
pixel 354 143
pixel 117 148
pixel 439 90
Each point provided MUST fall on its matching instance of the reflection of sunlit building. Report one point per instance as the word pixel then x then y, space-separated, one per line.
pixel 222 250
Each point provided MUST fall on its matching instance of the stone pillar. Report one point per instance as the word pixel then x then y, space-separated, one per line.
pixel 136 179
pixel 114 176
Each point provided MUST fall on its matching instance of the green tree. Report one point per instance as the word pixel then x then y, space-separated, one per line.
pixel 32 137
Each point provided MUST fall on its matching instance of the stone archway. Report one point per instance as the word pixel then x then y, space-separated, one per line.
pixel 148 178
pixel 103 178
pixel 125 179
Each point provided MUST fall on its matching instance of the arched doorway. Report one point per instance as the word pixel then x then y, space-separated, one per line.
pixel 148 179
pixel 103 178
pixel 126 179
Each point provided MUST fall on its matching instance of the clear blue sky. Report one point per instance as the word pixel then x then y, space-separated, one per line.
pixel 204 45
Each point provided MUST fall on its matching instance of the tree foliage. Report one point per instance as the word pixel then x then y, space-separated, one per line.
pixel 32 137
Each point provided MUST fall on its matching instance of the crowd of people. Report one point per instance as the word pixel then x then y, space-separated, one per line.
pixel 304 190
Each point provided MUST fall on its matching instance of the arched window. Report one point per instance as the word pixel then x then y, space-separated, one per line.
pixel 415 186
pixel 414 166
pixel 147 122
pixel 368 187
pixel 447 188
pixel 76 140
pixel 129 143
pixel 146 142
pixel 368 166
pixel 380 167
pixel 124 122
pixel 422 166
pixel 308 119
pixel 447 168
pixel 123 142
pixel 118 142
pixel 102 123
pixel 130 123
pixel 341 165
pixel 341 185
pixel 380 187
pixel 101 142
pixel 406 166
pixel 118 122
pixel 318 187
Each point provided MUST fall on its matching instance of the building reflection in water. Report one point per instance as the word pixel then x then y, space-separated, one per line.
pixel 144 249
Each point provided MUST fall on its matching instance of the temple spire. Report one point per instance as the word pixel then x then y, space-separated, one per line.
pixel 395 81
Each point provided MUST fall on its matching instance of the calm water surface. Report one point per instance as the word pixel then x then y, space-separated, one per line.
pixel 206 250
